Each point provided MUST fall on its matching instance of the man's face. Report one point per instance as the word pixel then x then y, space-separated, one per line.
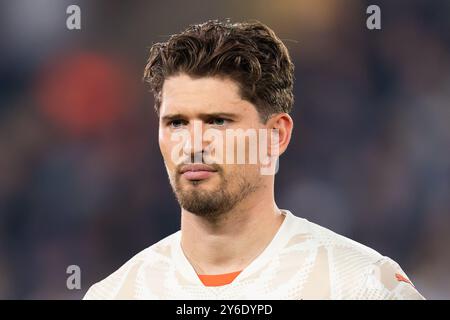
pixel 207 104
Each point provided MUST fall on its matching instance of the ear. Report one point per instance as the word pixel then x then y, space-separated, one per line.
pixel 284 125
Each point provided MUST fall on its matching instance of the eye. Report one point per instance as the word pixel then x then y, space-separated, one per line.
pixel 177 123
pixel 218 121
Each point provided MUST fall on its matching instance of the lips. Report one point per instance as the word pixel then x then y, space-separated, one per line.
pixel 197 171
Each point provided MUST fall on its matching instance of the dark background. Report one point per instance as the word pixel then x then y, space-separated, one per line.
pixel 82 180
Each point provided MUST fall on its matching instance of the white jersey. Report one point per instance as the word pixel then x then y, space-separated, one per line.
pixel 303 261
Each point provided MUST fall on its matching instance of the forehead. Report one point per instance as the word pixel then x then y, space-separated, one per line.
pixel 185 95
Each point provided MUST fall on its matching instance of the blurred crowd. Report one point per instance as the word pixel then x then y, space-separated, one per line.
pixel 81 178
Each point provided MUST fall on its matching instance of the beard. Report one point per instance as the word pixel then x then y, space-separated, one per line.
pixel 212 204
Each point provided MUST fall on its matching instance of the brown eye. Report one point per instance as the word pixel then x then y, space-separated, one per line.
pixel 177 123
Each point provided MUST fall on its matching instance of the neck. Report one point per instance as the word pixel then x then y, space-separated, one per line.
pixel 232 241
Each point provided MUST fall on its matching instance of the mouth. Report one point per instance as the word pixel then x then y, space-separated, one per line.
pixel 195 172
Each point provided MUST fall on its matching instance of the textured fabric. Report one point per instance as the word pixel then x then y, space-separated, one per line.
pixel 303 261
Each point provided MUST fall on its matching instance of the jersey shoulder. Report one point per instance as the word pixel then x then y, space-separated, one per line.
pixel 122 282
pixel 340 247
pixel 358 271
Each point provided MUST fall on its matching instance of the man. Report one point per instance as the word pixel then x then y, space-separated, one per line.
pixel 234 242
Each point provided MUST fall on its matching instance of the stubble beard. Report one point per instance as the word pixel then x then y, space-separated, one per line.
pixel 212 204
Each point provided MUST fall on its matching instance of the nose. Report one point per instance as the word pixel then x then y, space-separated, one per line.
pixel 194 145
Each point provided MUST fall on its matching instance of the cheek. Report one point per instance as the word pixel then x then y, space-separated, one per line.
pixel 240 171
pixel 165 146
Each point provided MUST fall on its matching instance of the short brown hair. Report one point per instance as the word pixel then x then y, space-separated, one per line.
pixel 249 53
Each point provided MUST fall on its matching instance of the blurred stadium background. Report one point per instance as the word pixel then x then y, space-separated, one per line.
pixel 81 178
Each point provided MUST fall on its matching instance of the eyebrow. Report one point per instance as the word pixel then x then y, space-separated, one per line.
pixel 202 116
